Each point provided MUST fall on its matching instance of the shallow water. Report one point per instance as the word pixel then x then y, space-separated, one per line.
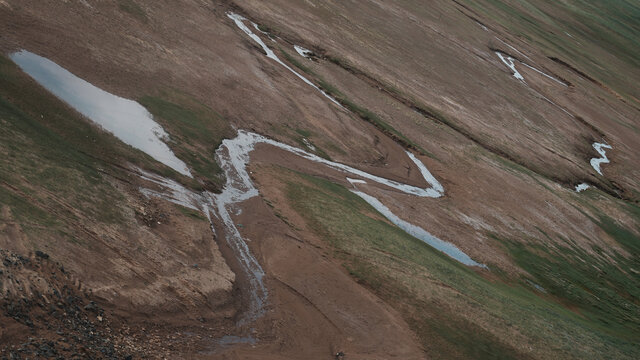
pixel 124 118
pixel 233 157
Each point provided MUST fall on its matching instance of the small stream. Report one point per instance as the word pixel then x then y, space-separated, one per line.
pixel 134 125
pixel 233 157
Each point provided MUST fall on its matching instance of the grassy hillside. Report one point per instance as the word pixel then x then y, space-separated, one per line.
pixel 52 159
pixel 600 38
pixel 196 132
pixel 458 313
pixel 55 165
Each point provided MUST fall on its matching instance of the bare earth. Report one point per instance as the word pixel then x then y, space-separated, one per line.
pixel 167 287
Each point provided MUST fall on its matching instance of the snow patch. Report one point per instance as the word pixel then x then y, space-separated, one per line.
pixel 509 61
pixel 419 233
pixel 308 144
pixel 238 20
pixel 596 162
pixel 263 32
pixel 582 187
pixel 302 51
pixel 512 48
pixel 355 181
pixel 124 118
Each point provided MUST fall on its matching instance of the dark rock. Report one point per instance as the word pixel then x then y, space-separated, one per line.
pixel 41 254
pixel 91 306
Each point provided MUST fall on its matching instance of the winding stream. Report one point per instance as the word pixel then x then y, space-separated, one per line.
pixel 233 156
pixel 133 124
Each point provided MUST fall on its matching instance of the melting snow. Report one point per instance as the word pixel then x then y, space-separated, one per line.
pixel 271 55
pixel 124 118
pixel 508 60
pixel 255 26
pixel 302 51
pixel 355 181
pixel 308 144
pixel 233 157
pixel 582 187
pixel 419 233
pixel 596 162
pixel 544 74
pixel 512 48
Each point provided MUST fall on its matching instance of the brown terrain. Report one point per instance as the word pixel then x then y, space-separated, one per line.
pixel 92 268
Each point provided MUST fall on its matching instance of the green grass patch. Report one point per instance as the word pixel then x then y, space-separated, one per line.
pixel 598 289
pixel 600 31
pixel 53 159
pixel 191 213
pixel 457 313
pixel 304 133
pixel 196 132
pixel 293 60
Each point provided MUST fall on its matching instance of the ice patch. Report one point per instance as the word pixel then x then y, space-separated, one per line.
pixel 596 162
pixel 582 187
pixel 509 61
pixel 302 51
pixel 124 118
pixel 355 181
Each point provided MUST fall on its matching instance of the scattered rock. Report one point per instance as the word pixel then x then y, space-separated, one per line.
pixel 91 306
